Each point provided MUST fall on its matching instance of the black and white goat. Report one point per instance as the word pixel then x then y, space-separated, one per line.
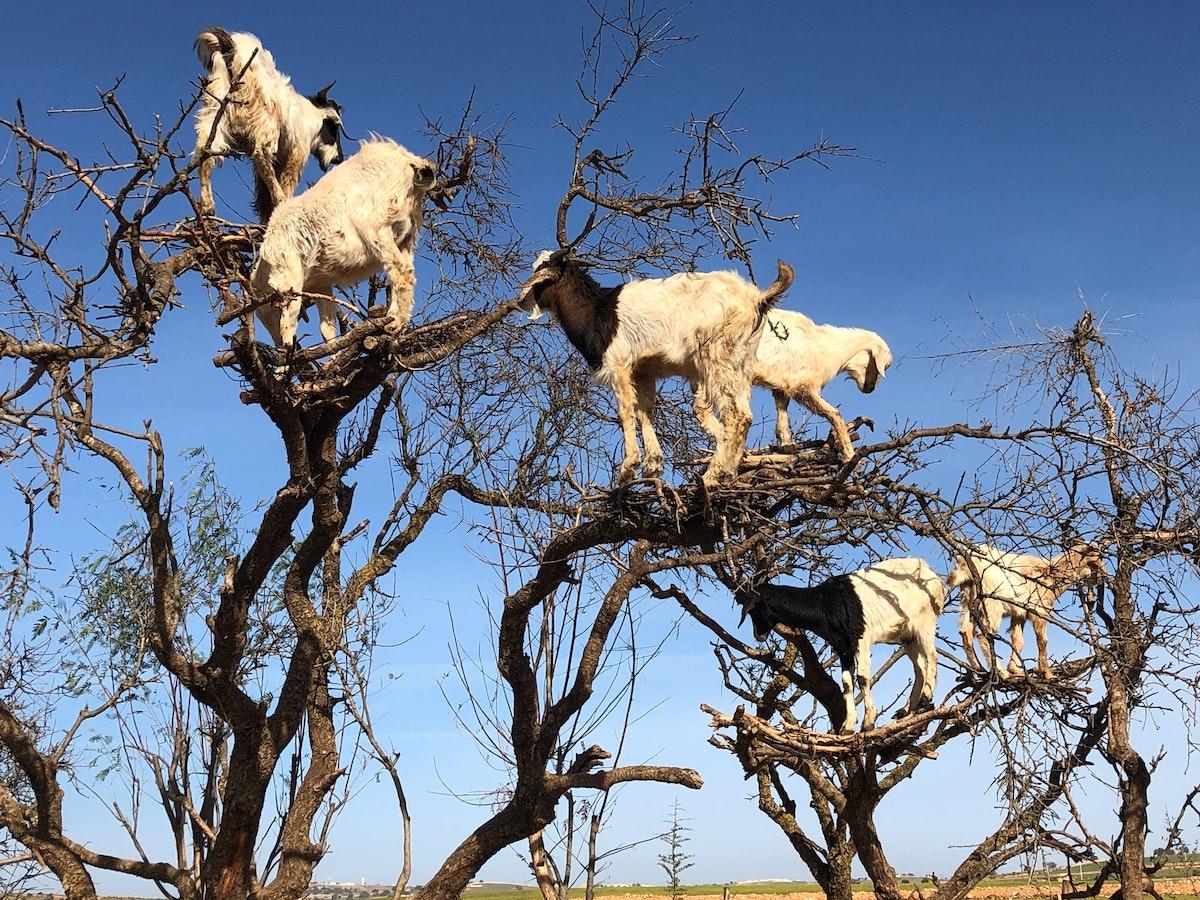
pixel 703 327
pixel 797 358
pixel 1019 587
pixel 265 119
pixel 896 601
pixel 360 218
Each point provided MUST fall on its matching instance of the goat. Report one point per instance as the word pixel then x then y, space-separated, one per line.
pixel 1017 586
pixel 797 358
pixel 250 107
pixel 896 601
pixel 360 218
pixel 703 327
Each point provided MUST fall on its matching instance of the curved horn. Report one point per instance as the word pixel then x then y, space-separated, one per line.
pixel 325 90
pixel 342 127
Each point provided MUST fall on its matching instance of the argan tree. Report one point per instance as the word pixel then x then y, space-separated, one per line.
pixel 241 628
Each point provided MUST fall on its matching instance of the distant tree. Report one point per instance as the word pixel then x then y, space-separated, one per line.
pixel 676 860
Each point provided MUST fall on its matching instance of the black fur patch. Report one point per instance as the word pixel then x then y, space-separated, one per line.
pixel 586 311
pixel 832 611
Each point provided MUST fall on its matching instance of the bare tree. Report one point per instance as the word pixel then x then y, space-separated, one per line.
pixel 1067 473
pixel 244 638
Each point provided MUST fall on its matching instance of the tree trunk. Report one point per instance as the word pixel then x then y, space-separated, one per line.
pixel 1127 659
pixel 839 877
pixel 539 862
pixel 517 820
pixel 589 891
pixel 230 864
pixel 862 797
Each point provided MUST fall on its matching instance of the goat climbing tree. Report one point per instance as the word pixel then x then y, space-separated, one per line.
pixel 246 630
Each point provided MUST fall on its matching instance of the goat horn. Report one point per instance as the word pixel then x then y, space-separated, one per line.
pixel 559 255
pixel 325 90
pixel 345 134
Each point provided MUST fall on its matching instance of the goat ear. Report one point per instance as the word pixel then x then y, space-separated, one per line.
pixel 872 375
pixel 526 299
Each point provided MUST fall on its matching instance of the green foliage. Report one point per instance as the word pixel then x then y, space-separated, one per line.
pixel 675 861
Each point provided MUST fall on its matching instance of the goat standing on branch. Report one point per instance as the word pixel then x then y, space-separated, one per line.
pixel 703 327
pixel 359 219
pixel 797 358
pixel 1016 586
pixel 250 107
pixel 896 601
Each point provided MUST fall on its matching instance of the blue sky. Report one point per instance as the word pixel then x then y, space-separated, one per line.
pixel 1014 156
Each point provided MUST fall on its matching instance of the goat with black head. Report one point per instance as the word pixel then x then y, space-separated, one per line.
pixel 249 107
pixel 896 601
pixel 703 327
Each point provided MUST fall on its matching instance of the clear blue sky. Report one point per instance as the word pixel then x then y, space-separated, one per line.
pixel 1018 154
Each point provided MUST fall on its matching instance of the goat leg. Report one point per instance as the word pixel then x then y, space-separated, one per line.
pixel 264 172
pixel 204 173
pixel 402 282
pixel 627 413
pixel 646 397
pixel 783 428
pixel 841 434
pixel 1039 633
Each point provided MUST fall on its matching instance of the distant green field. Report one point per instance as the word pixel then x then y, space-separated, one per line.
pixel 804 887
pixel 770 887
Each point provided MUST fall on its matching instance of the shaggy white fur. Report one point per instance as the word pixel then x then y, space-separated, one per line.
pixel 797 358
pixel 265 119
pixel 1016 586
pixel 360 218
pixel 703 327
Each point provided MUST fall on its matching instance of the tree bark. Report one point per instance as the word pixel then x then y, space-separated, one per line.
pixel 862 797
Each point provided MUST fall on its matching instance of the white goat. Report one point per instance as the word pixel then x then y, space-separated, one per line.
pixel 359 219
pixel 896 601
pixel 703 327
pixel 264 118
pixel 797 358
pixel 1015 586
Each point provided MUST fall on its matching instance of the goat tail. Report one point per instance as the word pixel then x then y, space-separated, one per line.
pixel 772 295
pixel 211 42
